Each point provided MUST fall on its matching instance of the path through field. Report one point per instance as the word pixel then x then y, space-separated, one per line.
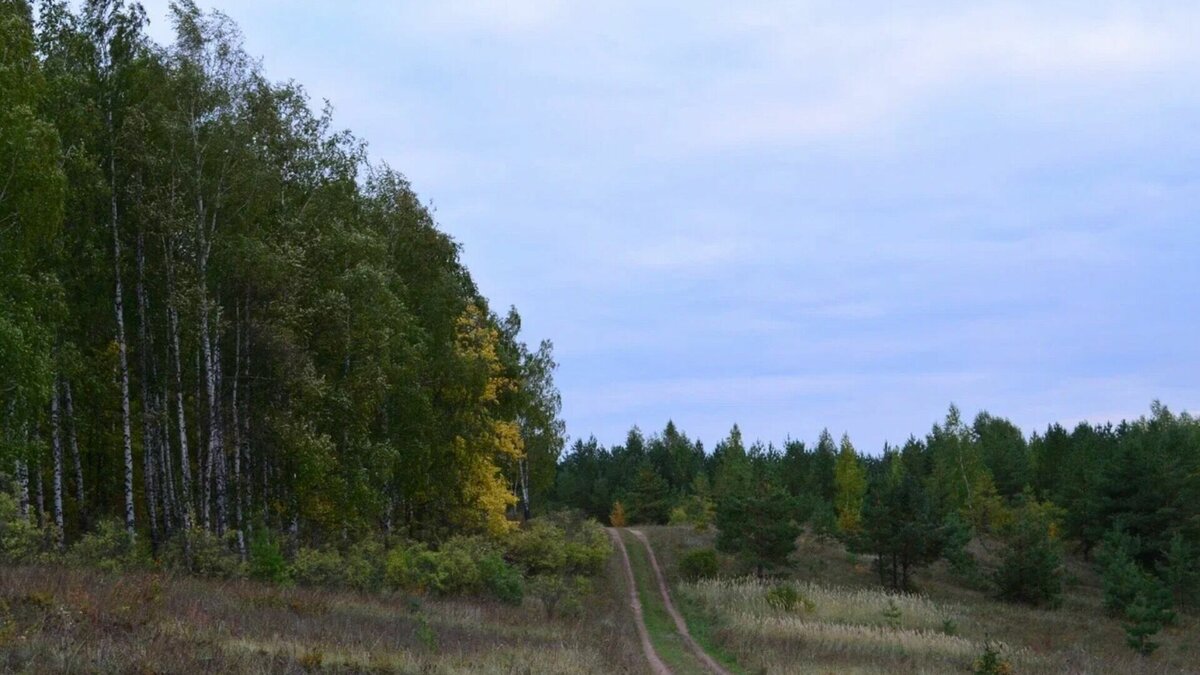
pixel 656 663
pixel 659 581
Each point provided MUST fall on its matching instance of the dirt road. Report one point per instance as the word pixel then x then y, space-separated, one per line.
pixel 656 663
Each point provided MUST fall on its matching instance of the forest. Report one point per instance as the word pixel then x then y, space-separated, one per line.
pixel 219 315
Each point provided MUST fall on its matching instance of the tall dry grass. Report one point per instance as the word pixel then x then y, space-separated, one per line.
pixel 69 620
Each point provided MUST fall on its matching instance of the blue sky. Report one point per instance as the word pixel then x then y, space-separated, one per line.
pixel 797 215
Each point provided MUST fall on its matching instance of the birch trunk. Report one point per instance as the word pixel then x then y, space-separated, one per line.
pixel 214 471
pixel 39 496
pixel 185 460
pixel 23 488
pixel 122 355
pixel 73 441
pixel 237 436
pixel 56 448
pixel 523 470
pixel 149 414
pixel 204 461
pixel 166 466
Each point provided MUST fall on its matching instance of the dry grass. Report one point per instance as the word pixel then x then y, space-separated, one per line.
pixel 65 620
pixel 847 632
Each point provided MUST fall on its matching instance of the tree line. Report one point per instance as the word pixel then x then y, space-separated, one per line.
pixel 217 314
pixel 1124 496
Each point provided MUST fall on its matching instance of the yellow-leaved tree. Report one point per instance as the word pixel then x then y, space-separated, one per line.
pixel 485 439
pixel 850 486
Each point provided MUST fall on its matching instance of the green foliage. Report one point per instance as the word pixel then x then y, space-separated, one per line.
pixel 546 546
pixel 21 541
pixel 850 485
pixel 110 548
pixel 364 566
pixel 203 554
pixel 1180 571
pixel 992 662
pixel 1031 564
pixel 892 616
pixel 540 548
pixel 318 567
pixel 501 579
pixel 559 595
pixel 699 563
pixel 649 498
pixel 786 598
pixel 899 527
pixel 757 526
pixel 1145 616
pixel 266 558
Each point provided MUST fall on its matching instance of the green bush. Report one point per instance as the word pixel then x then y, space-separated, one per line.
pixel 396 568
pixel 540 548
pixel 699 563
pixel 266 558
pixel 502 580
pixel 587 550
pixel 991 662
pixel 1145 616
pixel 318 567
pixel 110 548
pixel 22 541
pixel 451 570
pixel 204 554
pixel 786 598
pixel 458 562
pixel 559 595
pixel 364 566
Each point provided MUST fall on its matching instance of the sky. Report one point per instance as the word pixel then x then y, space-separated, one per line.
pixel 796 215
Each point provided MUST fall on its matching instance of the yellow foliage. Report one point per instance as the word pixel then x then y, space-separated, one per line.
pixel 486 439
pixel 617 517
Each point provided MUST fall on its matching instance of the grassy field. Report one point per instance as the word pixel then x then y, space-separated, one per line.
pixel 941 629
pixel 56 619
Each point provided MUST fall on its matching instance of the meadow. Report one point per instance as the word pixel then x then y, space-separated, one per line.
pixel 844 622
pixel 62 619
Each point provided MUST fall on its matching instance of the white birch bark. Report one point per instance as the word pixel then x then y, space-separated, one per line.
pixel 73 441
pixel 185 462
pixel 57 450
pixel 149 412
pixel 23 488
pixel 119 313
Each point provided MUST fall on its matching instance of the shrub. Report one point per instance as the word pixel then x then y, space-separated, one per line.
pixel 318 567
pixel 204 554
pixel 396 568
pixel 502 580
pixel 21 541
pixel 364 566
pixel 699 563
pixel 111 548
pixel 1145 616
pixel 540 548
pixel 992 662
pixel 587 549
pixel 266 558
pixel 786 598
pixel 453 569
pixel 559 595
pixel 892 616
pixel 458 564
